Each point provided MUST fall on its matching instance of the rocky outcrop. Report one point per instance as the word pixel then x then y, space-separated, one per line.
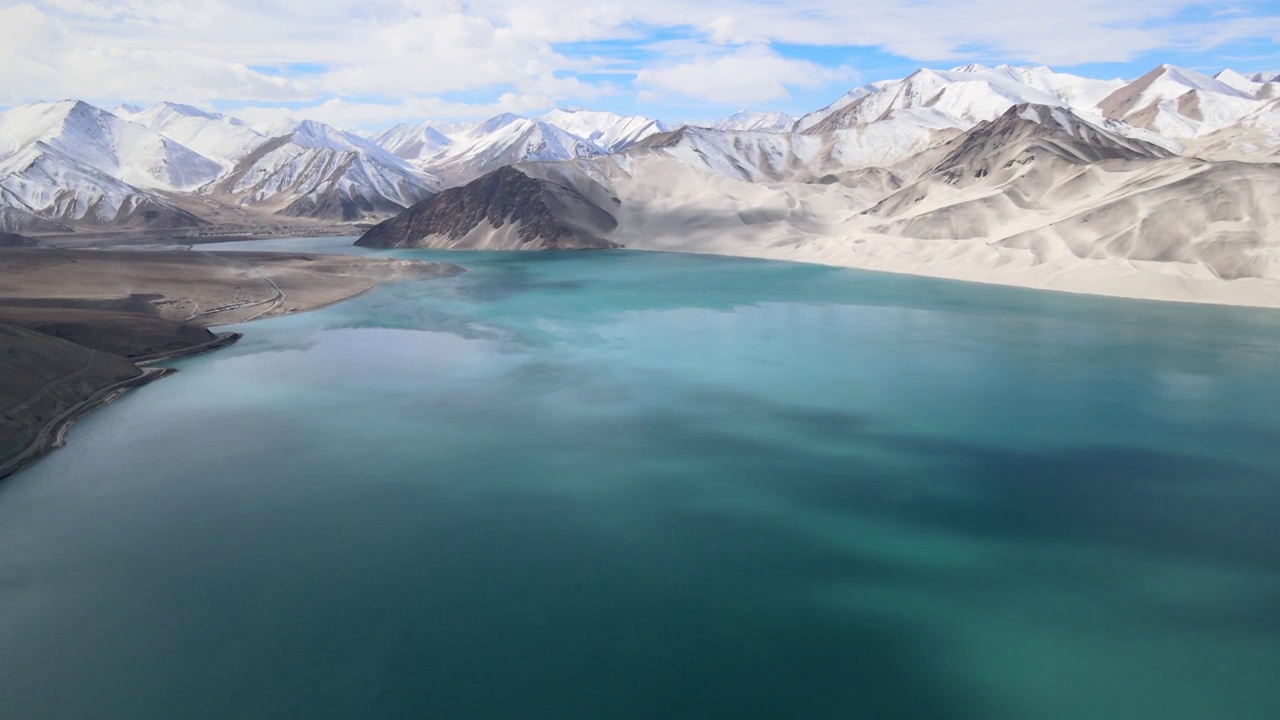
pixel 504 210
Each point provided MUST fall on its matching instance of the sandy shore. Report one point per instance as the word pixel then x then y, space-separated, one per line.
pixel 1171 230
pixel 80 327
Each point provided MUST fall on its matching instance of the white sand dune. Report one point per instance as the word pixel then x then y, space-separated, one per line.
pixel 1038 198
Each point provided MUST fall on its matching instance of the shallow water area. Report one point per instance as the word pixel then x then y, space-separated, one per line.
pixel 622 484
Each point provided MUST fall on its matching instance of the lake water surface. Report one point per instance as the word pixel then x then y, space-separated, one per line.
pixel 628 485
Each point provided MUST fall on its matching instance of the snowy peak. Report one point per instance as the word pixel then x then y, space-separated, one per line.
pixel 67 162
pixel 461 152
pixel 1235 80
pixel 1194 80
pixel 542 141
pixel 509 140
pixel 49 121
pixel 810 120
pixel 414 142
pixel 1178 103
pixel 1159 85
pixel 112 145
pixel 746 121
pixel 277 127
pixel 42 188
pixel 494 124
pixel 607 131
pixel 170 111
pixel 218 137
pixel 1261 86
pixel 312 134
pixel 957 98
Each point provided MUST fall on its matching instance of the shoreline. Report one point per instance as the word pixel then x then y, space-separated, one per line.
pixel 1168 288
pixel 125 238
pixel 1152 285
pixel 53 434
pixel 220 340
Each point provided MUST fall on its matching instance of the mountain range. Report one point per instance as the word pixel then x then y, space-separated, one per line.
pixel 70 166
pixel 1158 188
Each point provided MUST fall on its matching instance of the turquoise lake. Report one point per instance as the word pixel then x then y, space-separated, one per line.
pixel 632 485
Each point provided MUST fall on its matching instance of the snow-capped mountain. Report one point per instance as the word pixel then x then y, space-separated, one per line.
pixel 747 121
pixel 749 156
pixel 275 127
pixel 43 189
pixel 70 164
pixel 963 97
pixel 95 138
pixel 322 172
pixel 1072 90
pixel 218 137
pixel 501 141
pixel 568 134
pixel 1255 137
pixel 414 142
pixel 1233 79
pixel 808 120
pixel 1178 103
pixel 797 157
pixel 607 131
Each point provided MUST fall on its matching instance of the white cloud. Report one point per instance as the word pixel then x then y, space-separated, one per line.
pixel 511 52
pixel 41 58
pixel 749 74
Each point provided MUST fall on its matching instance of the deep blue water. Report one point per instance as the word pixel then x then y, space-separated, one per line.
pixel 626 485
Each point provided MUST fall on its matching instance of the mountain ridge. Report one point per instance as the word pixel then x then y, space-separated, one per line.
pixel 69 164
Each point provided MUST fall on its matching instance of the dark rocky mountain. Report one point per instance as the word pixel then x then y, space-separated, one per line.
pixel 504 210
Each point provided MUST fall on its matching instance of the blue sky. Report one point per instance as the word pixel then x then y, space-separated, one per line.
pixel 370 63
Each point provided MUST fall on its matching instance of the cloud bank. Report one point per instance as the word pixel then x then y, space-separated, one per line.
pixel 375 61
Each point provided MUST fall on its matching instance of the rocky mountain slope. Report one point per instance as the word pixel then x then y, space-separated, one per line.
pixel 220 138
pixel 504 210
pixel 69 163
pixel 318 171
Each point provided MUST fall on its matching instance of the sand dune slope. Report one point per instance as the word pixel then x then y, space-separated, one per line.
pixel 1038 198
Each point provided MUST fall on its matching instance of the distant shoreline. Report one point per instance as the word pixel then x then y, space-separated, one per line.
pixel 76 279
pixel 194 236
pixel 53 434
